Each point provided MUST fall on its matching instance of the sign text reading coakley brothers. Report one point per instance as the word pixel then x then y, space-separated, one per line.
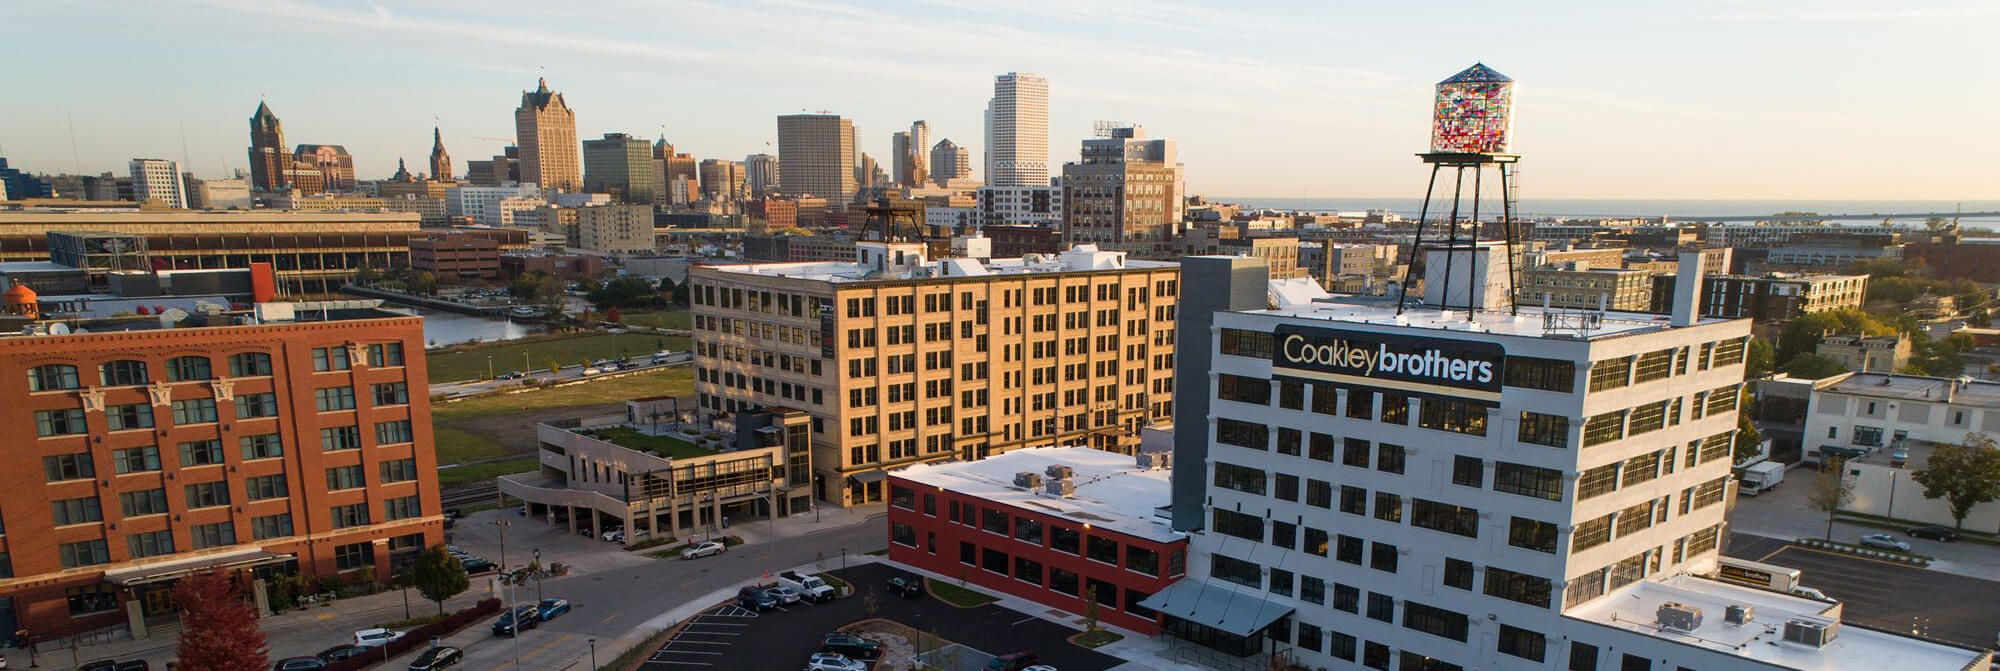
pixel 1452 363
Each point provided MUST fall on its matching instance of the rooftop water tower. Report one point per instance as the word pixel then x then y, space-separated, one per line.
pixel 1471 127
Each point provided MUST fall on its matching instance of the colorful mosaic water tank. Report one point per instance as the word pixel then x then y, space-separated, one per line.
pixel 1474 112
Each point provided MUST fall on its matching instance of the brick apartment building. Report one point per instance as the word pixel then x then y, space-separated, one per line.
pixel 452 257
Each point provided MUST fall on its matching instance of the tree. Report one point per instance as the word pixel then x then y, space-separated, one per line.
pixel 1814 366
pixel 1802 334
pixel 628 292
pixel 1829 490
pixel 1759 358
pixel 1964 475
pixel 218 628
pixel 1090 613
pixel 438 576
pixel 1749 442
pixel 365 275
pixel 423 284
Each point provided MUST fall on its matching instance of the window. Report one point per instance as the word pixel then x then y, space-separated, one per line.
pixel 334 398
pixel 1285 486
pixel 1445 517
pixel 1063 581
pixel 261 487
pixel 136 459
pixel 390 433
pixel 1539 429
pixel 1320 448
pixel 1319 493
pixel 262 446
pixel 1543 374
pixel 1604 428
pixel 1354 452
pixel 1381 607
pixel 1027 530
pixel 391 393
pixel 1143 560
pixel 1458 573
pixel 1249 527
pixel 1348 549
pixel 68 467
pixel 1597 482
pixel 1647 418
pixel 86 553
pixel 188 369
pixel 1236 570
pixel 250 406
pixel 330 358
pixel 1063 539
pixel 1582 656
pixel 1451 414
pixel 402 508
pixel 350 515
pixel 1395 408
pixel 52 377
pixel 1654 366
pixel 1341 646
pixel 385 354
pixel 1283 534
pixel 67 422
pixel 345 477
pixel 1353 500
pixel 271 526
pixel 353 556
pixel 1240 342
pixel 993 560
pixel 77 511
pixel 340 438
pixel 1590 534
pixel 1242 434
pixel 1346 598
pixel 201 453
pixel 1102 549
pixel 1434 621
pixel 1523 643
pixel 1532 534
pixel 249 364
pixel 1242 389
pixel 1388 507
pixel 194 411
pixel 1316 541
pixel 993 520
pixel 1528 589
pixel 1610 373
pixel 1631 662
pixel 1382 557
pixel 1239 478
pixel 122 373
pixel 1468 471
pixel 207 494
pixel 1288 442
pixel 903 534
pixel 1360 404
pixel 142 502
pixel 1028 570
pixel 150 543
pixel 1389 458
pixel 128 416
pixel 212 535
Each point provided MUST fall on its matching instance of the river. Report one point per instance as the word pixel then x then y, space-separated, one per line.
pixel 450 328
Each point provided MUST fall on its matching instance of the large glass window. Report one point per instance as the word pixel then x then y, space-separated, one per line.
pixel 993 520
pixel 1451 414
pixel 1242 434
pixel 250 406
pixel 1543 374
pixel 122 373
pixel 201 453
pixel 65 422
pixel 128 416
pixel 261 446
pixel 260 487
pixel 350 515
pixel 77 511
pixel 188 369
pixel 345 477
pixel 1445 517
pixel 1532 534
pixel 68 467
pixel 150 543
pixel 51 377
pixel 207 494
pixel 340 438
pixel 1529 589
pixel 1610 373
pixel 1240 478
pixel 1240 525
pixel 1597 482
pixel 1434 621
pixel 1539 429
pixel 86 553
pixel 194 411
pixel 212 535
pixel 402 508
pixel 1063 539
pixel 1236 570
pixel 1242 389
pixel 1142 559
pixel 1604 428
pixel 334 398
pixel 1523 643
pixel 1525 480
pixel 271 526
pixel 1027 530
pixel 143 502
pixel 393 432
pixel 1102 549
pixel 249 364
pixel 136 459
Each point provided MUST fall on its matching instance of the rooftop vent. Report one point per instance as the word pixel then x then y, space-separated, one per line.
pixel 1060 472
pixel 1029 480
pixel 1683 617
pixel 1063 487
pixel 1813 631
pixel 1152 460
pixel 1739 614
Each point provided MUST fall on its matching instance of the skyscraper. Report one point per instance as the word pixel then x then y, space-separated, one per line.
pixel 818 155
pixel 721 180
pixel 440 161
pixel 268 157
pixel 335 166
pixel 760 172
pixel 908 164
pixel 158 181
pixel 545 130
pixel 621 165
pixel 1017 131
pixel 950 161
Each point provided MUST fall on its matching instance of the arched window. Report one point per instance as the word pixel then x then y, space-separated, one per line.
pixel 49 377
pixel 188 368
pixel 249 364
pixel 123 372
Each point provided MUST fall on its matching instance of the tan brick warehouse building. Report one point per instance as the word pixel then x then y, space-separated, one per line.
pixel 902 359
pixel 134 457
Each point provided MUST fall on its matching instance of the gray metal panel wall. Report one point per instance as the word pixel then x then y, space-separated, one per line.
pixel 1209 284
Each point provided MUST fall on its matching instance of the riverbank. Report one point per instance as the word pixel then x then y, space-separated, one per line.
pixel 539 352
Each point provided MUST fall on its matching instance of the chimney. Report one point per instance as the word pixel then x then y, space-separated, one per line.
pixel 1687 290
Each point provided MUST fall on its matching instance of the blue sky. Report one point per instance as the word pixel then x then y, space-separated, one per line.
pixel 1802 99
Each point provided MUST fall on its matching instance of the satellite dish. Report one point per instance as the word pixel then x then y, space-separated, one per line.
pixel 173 316
pixel 58 328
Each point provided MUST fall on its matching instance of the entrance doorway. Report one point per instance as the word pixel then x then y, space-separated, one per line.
pixel 157 600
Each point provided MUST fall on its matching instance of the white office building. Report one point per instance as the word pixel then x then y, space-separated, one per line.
pixel 158 181
pixel 1021 205
pixel 1017 131
pixel 482 203
pixel 1432 491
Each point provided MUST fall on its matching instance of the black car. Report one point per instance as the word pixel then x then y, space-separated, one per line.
pixel 753 598
pixel 99 665
pixel 340 652
pixel 908 588
pixel 134 665
pixel 437 658
pixel 1934 533
pixel 854 647
pixel 511 623
pixel 295 664
pixel 1012 662
pixel 475 564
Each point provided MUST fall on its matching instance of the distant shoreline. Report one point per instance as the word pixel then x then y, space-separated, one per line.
pixel 1691 209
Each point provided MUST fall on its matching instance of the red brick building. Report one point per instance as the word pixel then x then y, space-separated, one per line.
pixel 140 453
pixel 455 256
pixel 971 521
pixel 565 267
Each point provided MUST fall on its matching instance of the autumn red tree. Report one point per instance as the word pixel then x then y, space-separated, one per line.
pixel 218 628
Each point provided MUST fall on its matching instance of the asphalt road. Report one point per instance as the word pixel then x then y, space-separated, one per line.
pixel 1889 596
pixel 732 638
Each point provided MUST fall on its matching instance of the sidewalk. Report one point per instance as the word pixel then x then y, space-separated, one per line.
pixel 828 517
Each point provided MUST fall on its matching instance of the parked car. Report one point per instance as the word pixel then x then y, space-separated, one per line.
pixel 134 665
pixel 473 564
pixel 755 598
pixel 550 609
pixel 437 658
pixel 827 661
pixel 614 534
pixel 512 622
pixel 286 664
pixel 1040 667
pixel 1935 533
pixel 375 638
pixel 908 588
pixel 340 652
pixel 1884 542
pixel 785 595
pixel 587 372
pixel 99 665
pixel 704 549
pixel 854 647
pixel 1016 661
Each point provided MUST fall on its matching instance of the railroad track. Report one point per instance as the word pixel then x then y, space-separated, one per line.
pixel 469 495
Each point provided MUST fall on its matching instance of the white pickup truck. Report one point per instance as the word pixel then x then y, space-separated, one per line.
pixel 810 587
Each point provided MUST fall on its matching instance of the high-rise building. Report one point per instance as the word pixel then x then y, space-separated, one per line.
pixel 908 164
pixel 901 358
pixel 622 166
pixel 440 160
pixel 760 173
pixel 335 166
pixel 1017 131
pixel 721 180
pixel 949 162
pixel 268 156
pixel 615 229
pixel 21 185
pixel 818 156
pixel 866 173
pixel 157 180
pixel 1126 193
pixel 545 130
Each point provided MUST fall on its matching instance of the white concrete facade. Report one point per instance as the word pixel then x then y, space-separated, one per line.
pixel 1864 412
pixel 1017 131
pixel 1021 205
pixel 158 181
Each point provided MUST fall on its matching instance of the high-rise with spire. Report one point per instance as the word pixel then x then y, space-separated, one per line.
pixel 268 156
pixel 440 161
pixel 545 130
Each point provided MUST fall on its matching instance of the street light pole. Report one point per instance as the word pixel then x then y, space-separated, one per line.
pixel 1891 512
pixel 593 654
pixel 538 575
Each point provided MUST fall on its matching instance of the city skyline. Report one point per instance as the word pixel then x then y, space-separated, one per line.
pixel 1317 102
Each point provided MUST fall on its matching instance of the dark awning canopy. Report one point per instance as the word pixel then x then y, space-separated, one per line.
pixel 866 477
pixel 1237 611
pixel 170 570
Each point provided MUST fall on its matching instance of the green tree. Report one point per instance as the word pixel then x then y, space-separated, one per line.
pixel 424 284
pixel 1830 490
pixel 1090 608
pixel 438 576
pixel 554 366
pixel 1814 366
pixel 628 292
pixel 1802 334
pixel 1748 442
pixel 1963 475
pixel 1759 359
pixel 526 286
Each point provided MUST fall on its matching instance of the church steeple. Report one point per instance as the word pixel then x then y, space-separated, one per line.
pixel 440 161
pixel 402 172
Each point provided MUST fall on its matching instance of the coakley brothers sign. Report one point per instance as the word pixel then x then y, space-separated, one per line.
pixel 1464 368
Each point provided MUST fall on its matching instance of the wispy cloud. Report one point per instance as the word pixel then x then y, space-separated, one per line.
pixel 1866 10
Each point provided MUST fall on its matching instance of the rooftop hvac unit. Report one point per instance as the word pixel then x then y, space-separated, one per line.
pixel 1152 460
pixel 1739 614
pixel 1812 631
pixel 1063 487
pixel 1028 480
pixel 1679 616
pixel 1059 471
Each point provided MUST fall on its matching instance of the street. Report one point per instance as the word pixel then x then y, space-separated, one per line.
pixel 1888 596
pixel 1784 513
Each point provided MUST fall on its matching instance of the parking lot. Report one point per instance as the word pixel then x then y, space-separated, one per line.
pixel 1888 596
pixel 727 637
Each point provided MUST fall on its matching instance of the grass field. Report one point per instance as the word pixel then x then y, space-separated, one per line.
pixel 471 364
pixel 665 319
pixel 486 427
pixel 459 475
pixel 959 596
pixel 660 445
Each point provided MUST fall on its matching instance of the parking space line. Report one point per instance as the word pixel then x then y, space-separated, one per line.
pixel 681 642
pixel 681 663
pixel 608 618
pixel 688 652
pixel 1018 623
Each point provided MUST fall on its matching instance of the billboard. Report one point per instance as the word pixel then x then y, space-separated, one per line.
pixel 1390 362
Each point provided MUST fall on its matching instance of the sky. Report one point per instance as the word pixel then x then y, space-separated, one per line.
pixel 1752 99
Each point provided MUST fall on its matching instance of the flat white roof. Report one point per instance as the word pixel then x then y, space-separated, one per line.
pixel 1112 492
pixel 1529 323
pixel 847 271
pixel 1635 608
pixel 1918 388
